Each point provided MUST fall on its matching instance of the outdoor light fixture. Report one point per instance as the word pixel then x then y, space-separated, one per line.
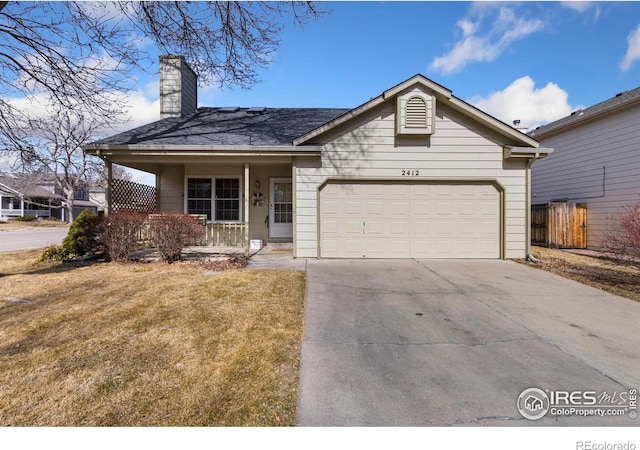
pixel 257 184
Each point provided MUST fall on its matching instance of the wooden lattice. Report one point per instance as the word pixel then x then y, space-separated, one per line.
pixel 130 196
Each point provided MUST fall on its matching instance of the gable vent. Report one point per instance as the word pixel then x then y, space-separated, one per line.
pixel 416 113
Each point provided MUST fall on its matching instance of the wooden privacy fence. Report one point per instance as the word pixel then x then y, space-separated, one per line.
pixel 559 225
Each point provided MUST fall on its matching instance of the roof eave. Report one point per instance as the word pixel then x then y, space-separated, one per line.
pixel 493 123
pixel 104 150
pixel 541 132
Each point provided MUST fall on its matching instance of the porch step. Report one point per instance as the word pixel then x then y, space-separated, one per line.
pixel 280 245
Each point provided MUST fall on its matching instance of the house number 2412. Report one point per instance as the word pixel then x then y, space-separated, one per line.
pixel 410 173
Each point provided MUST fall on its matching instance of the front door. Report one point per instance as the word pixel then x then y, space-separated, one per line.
pixel 281 208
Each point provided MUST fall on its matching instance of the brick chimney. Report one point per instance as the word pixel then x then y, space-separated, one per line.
pixel 178 87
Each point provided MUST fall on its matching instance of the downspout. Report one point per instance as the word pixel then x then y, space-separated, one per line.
pixel 530 162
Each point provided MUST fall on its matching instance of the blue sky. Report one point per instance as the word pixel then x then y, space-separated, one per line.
pixel 533 61
pixel 538 61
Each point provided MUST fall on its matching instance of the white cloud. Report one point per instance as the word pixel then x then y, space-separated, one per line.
pixel 141 107
pixel 141 110
pixel 633 51
pixel 521 100
pixel 505 28
pixel 579 6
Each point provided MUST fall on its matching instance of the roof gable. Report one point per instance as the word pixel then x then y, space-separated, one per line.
pixel 442 94
pixel 25 186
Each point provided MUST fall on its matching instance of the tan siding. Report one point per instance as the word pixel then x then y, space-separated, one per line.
pixel 257 227
pixel 171 181
pixel 575 170
pixel 370 150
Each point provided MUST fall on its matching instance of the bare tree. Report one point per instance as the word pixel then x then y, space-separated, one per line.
pixel 85 52
pixel 80 58
pixel 622 237
pixel 50 148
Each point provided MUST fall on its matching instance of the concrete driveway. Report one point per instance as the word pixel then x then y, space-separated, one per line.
pixel 405 342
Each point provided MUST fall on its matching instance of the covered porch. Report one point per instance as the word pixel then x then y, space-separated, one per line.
pixel 241 201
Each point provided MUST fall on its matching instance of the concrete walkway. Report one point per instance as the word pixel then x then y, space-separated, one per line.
pixel 266 258
pixel 440 342
pixel 275 258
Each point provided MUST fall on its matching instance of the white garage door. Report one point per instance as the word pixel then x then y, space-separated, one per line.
pixel 380 220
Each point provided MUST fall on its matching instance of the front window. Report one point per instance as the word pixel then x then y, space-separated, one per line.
pixel 227 199
pixel 217 198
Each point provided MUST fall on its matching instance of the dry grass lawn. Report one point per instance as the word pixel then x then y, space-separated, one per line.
pixel 13 225
pixel 109 344
pixel 601 273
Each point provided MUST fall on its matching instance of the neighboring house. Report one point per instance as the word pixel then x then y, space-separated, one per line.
pixel 413 173
pixel 20 196
pixel 84 196
pixel 596 161
pixel 37 195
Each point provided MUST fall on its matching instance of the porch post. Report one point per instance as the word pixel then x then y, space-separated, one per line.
pixel 246 209
pixel 108 166
pixel 21 206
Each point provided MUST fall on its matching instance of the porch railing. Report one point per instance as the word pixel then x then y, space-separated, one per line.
pixel 225 234
pixel 27 212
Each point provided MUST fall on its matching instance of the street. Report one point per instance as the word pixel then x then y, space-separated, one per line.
pixel 31 238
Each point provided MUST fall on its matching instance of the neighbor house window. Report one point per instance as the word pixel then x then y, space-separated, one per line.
pixel 79 194
pixel 217 198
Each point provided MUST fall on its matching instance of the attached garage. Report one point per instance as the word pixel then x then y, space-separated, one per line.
pixel 376 219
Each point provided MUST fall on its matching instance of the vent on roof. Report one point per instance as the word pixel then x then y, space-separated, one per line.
pixel 414 114
pixel 256 110
pixel 229 109
pixel 618 94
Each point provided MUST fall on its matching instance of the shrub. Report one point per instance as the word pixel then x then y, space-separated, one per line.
pixel 81 238
pixel 622 239
pixel 25 219
pixel 120 233
pixel 171 232
pixel 54 253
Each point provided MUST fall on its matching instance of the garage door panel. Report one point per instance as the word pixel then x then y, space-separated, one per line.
pixel 352 227
pixel 410 220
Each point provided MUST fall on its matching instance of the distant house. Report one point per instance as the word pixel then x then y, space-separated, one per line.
pixel 596 161
pixel 415 172
pixel 37 195
pixel 20 197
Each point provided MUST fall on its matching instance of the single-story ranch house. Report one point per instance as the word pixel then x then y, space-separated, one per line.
pixel 413 173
